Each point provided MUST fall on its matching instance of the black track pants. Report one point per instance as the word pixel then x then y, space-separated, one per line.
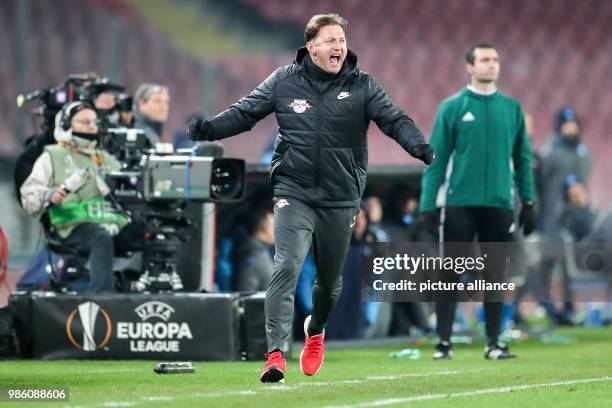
pixel 463 224
pixel 297 226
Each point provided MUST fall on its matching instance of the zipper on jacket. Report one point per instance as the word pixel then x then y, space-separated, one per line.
pixel 317 176
pixel 486 169
pixel 318 149
pixel 318 133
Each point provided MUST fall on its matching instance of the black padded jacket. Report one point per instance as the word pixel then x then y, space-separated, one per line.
pixel 321 151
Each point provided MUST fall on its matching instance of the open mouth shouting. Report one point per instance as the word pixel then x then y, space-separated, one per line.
pixel 335 61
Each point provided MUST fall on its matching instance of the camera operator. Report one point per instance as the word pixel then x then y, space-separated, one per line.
pixel 152 105
pixel 53 99
pixel 67 190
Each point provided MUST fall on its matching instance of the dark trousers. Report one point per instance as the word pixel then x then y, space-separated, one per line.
pixel 464 225
pixel 297 226
pixel 93 241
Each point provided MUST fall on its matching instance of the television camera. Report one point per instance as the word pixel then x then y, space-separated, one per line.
pixel 154 197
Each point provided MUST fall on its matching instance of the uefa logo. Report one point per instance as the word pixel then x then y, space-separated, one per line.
pixel 91 330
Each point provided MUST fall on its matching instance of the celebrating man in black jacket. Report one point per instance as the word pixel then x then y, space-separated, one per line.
pixel 323 104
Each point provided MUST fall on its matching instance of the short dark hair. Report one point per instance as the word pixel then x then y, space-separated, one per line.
pixel 321 20
pixel 470 57
pixel 257 218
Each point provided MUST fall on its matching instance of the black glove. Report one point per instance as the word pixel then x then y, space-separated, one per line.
pixel 200 129
pixel 527 218
pixel 424 152
pixel 431 220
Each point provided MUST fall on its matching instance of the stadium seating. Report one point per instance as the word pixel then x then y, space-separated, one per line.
pixel 553 52
pixel 79 41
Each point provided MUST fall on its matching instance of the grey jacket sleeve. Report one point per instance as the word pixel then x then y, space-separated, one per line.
pixel 38 187
pixel 391 120
pixel 245 113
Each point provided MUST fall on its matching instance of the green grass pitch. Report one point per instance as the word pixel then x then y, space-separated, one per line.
pixel 574 375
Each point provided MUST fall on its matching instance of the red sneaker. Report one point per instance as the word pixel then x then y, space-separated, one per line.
pixel 274 370
pixel 311 358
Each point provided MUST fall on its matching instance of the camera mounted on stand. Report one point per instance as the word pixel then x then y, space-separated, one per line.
pixel 154 197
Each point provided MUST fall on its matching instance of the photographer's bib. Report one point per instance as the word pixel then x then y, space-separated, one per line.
pixel 87 204
pixel 77 212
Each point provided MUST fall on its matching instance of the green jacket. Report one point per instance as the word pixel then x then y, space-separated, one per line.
pixel 481 148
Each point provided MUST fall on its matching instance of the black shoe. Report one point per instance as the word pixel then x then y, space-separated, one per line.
pixel 498 351
pixel 444 351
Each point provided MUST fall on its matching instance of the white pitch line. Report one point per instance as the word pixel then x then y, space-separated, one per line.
pixel 287 387
pixel 405 375
pixel 280 387
pixel 160 398
pixel 499 390
pixel 247 392
pixel 217 394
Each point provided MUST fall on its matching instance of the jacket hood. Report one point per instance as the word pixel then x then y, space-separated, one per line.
pixel 350 65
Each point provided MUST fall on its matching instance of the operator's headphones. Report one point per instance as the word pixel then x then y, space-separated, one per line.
pixel 62 131
pixel 71 109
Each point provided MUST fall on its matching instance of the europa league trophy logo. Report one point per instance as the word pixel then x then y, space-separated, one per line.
pixel 88 312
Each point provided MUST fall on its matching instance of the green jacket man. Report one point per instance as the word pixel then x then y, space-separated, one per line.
pixel 482 152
